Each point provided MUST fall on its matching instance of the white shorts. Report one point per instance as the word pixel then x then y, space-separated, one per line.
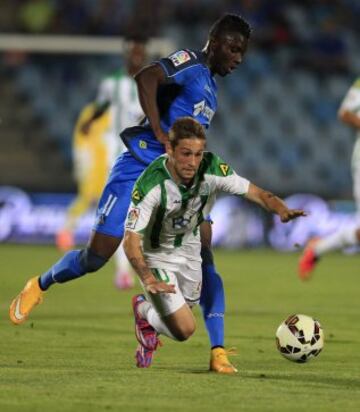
pixel 187 286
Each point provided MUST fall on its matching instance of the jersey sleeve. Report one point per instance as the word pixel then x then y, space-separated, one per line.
pixel 233 184
pixel 141 210
pixel 181 67
pixel 351 100
pixel 224 178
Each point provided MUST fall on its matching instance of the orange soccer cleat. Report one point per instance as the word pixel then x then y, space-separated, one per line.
pixel 220 363
pixel 25 301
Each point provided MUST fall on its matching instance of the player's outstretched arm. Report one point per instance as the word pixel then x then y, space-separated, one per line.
pixel 133 251
pixel 148 81
pixel 272 203
pixel 98 112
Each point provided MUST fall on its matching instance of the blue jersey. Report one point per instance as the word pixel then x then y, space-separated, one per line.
pixel 190 90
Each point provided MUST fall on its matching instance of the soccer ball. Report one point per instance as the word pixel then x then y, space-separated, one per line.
pixel 300 338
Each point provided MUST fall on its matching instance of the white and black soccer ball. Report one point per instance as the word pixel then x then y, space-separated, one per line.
pixel 300 338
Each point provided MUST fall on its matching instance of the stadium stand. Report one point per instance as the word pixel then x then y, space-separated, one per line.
pixel 277 113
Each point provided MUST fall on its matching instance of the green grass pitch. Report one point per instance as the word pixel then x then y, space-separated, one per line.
pixel 76 352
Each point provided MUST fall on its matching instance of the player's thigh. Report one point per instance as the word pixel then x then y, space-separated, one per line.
pixel 103 245
pixel 175 308
pixel 181 323
pixel 112 208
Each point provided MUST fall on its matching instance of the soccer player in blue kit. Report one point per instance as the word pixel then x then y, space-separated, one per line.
pixel 182 84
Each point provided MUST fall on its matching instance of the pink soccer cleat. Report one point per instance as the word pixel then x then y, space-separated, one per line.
pixel 308 260
pixel 124 281
pixel 145 334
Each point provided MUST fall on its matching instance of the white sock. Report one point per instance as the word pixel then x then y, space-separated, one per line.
pixel 338 240
pixel 122 263
pixel 148 312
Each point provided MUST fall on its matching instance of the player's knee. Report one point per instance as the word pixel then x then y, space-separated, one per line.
pixel 90 261
pixel 184 332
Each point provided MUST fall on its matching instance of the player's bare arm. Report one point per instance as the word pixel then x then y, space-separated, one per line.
pixel 98 112
pixel 133 251
pixel 148 81
pixel 350 118
pixel 272 203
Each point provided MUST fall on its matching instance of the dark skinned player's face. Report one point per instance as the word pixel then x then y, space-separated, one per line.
pixel 226 53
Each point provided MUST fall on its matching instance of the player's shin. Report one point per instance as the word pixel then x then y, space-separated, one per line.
pixel 157 323
pixel 212 299
pixel 71 266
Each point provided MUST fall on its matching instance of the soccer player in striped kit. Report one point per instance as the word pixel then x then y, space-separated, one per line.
pixel 170 200
pixel 349 113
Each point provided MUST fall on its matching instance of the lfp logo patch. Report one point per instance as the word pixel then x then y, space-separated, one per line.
pixel 180 57
pixel 132 218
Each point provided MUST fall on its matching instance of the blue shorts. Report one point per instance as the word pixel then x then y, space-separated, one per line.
pixel 116 196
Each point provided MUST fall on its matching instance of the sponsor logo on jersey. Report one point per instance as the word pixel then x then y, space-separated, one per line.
pixel 132 218
pixel 180 222
pixel 180 57
pixel 224 168
pixel 203 109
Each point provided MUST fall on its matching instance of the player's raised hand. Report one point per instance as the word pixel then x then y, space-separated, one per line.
pixel 159 287
pixel 291 214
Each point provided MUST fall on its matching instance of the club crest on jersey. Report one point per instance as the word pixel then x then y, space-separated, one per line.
pixel 136 195
pixel 180 57
pixel 142 144
pixel 224 168
pixel 132 218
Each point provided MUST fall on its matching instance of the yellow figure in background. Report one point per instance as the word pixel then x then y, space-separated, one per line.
pixel 90 165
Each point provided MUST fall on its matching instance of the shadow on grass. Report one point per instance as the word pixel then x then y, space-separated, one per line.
pixel 309 379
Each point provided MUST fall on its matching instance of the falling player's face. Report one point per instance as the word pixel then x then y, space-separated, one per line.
pixel 185 158
pixel 227 52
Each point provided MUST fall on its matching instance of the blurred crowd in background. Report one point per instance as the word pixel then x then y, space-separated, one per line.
pixel 277 113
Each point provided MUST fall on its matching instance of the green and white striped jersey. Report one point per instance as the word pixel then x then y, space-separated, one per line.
pixel 121 91
pixel 125 110
pixel 168 215
pixel 351 103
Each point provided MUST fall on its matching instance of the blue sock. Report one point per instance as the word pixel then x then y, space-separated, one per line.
pixel 212 300
pixel 67 268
